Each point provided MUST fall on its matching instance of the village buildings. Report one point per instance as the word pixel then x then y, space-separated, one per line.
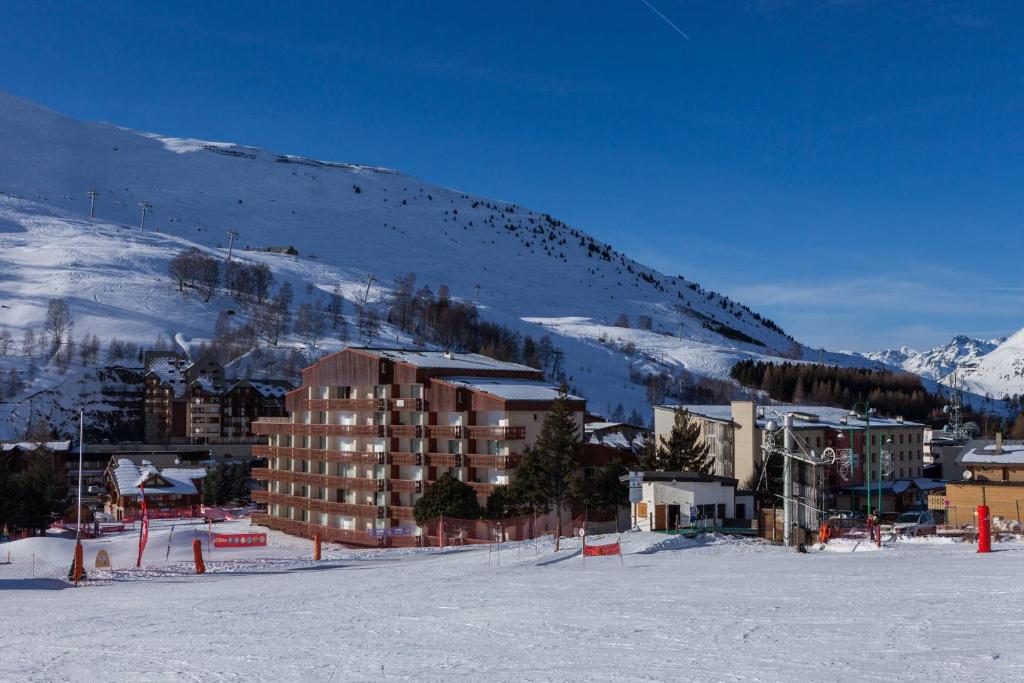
pixel 188 402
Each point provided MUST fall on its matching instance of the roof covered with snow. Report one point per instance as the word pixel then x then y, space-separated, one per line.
pixel 1012 454
pixel 443 360
pixel 268 388
pixel 34 445
pixel 511 389
pixel 129 475
pixel 170 371
pixel 805 416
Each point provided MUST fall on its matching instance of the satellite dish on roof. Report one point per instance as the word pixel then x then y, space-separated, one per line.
pixel 968 474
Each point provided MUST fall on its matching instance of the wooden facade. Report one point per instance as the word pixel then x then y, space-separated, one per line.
pixel 368 432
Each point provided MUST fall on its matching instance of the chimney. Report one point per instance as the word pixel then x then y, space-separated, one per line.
pixel 899 419
pixel 447 354
pixel 999 443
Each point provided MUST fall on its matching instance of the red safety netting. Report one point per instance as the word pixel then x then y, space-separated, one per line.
pixel 456 531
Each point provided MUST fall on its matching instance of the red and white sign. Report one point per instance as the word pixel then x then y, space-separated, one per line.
pixel 239 540
pixel 598 550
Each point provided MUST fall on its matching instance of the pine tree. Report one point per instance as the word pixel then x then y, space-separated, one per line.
pixel 447 497
pixel 555 459
pixel 683 451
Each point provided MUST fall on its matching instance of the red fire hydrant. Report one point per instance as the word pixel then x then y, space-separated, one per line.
pixel 984 530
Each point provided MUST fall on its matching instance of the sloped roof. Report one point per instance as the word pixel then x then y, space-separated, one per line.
pixel 446 360
pixel 128 475
pixel 269 388
pixel 511 389
pixel 35 445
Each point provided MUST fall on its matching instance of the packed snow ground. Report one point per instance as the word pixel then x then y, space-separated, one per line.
pixel 673 609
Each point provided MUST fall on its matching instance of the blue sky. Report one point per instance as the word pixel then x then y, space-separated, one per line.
pixel 851 169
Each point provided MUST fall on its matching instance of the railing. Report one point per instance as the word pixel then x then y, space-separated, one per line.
pixel 352 404
pixel 445 431
pixel 400 512
pixel 405 458
pixel 498 433
pixel 483 488
pixel 260 473
pixel 444 460
pixel 301 429
pixel 260 496
pixel 406 485
pixel 498 462
pixel 406 431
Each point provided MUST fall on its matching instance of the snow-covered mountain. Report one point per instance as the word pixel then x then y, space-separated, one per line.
pixel 525 269
pixel 998 373
pixel 962 352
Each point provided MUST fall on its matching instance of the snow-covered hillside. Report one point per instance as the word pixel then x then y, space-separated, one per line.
pixel 1000 372
pixel 962 352
pixel 526 270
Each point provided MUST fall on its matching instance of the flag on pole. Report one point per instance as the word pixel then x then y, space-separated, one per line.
pixel 144 530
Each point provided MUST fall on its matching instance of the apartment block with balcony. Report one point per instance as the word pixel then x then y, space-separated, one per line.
pixel 369 429
pixel 737 430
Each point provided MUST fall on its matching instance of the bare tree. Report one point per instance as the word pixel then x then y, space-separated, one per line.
pixel 335 306
pixel 262 280
pixel 28 343
pixel 309 323
pixel 207 275
pixel 6 341
pixel 58 320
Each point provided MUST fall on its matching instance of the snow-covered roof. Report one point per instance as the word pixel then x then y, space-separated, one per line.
pixel 805 416
pixel 620 435
pixel 1013 454
pixel 443 360
pixel 511 389
pixel 269 388
pixel 129 475
pixel 33 445
pixel 170 371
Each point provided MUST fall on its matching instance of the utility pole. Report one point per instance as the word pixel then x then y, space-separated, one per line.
pixel 232 234
pixel 476 294
pixel 92 203
pixel 787 481
pixel 370 279
pixel 146 208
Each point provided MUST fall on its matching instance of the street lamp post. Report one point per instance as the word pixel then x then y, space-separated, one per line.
pixel 867 448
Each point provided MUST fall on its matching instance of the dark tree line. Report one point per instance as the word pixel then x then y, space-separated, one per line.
pixel 33 491
pixel 891 393
pixel 456 325
pixel 227 484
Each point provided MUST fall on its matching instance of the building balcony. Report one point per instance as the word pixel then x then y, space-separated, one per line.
pixel 261 496
pixel 444 460
pixel 260 473
pixel 445 432
pixel 483 488
pixel 497 462
pixel 400 512
pixel 496 433
pixel 376 405
pixel 405 485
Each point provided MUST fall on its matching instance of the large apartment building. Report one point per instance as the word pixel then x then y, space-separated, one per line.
pixel 370 428
pixel 736 432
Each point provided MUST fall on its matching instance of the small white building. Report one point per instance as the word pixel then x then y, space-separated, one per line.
pixel 683 499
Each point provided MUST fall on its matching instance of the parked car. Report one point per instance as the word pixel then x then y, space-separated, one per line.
pixel 918 523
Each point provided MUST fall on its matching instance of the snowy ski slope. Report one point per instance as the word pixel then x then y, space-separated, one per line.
pixel 712 609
